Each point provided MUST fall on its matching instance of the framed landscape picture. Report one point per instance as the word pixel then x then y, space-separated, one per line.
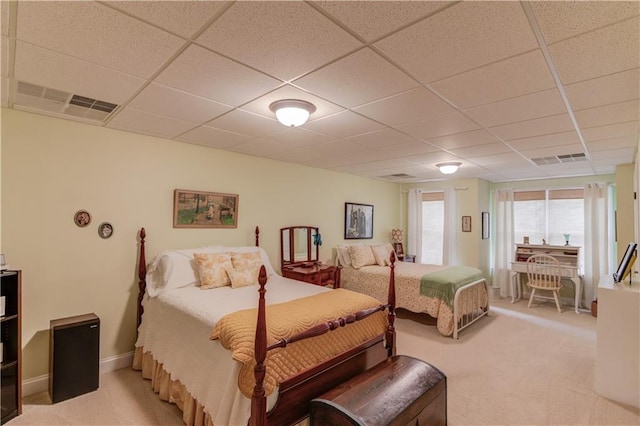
pixel 197 209
pixel 358 221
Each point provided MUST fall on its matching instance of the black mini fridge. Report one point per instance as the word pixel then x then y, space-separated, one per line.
pixel 74 359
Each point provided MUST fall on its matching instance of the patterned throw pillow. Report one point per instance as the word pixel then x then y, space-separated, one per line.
pixel 381 253
pixel 248 263
pixel 361 255
pixel 241 277
pixel 211 268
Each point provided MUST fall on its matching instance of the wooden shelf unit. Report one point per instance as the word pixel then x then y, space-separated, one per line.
pixel 11 338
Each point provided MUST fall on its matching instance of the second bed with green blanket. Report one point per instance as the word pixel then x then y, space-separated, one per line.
pixel 456 296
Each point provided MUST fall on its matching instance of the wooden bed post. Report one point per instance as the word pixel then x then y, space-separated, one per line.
pixel 142 274
pixel 257 236
pixel 390 335
pixel 259 399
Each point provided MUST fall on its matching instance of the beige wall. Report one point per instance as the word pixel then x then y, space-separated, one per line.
pixel 625 222
pixel 51 168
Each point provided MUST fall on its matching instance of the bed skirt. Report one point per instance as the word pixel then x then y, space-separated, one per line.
pixel 170 390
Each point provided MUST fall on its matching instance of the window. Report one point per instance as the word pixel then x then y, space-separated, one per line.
pixel 554 215
pixel 432 227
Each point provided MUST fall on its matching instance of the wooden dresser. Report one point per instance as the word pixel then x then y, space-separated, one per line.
pixel 319 274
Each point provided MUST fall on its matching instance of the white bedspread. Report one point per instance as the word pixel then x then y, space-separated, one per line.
pixel 176 326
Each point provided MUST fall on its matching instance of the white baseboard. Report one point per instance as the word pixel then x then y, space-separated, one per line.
pixel 41 383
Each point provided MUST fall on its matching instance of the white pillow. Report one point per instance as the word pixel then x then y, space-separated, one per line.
pixel 342 252
pixel 382 253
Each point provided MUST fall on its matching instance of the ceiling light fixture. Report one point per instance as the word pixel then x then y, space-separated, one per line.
pixel 292 112
pixel 449 167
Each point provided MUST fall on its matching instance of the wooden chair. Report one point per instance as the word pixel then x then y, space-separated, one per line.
pixel 543 273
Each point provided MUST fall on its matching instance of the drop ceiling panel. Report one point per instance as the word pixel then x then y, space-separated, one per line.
pixel 552 151
pixel 610 89
pixel 605 51
pixel 371 24
pixel 137 121
pixel 626 129
pixel 5 56
pixel 609 114
pixel 508 160
pixel 460 38
pixel 297 137
pixel 258 147
pixel 183 18
pixel 375 78
pixel 544 141
pixel 4 92
pixel 380 138
pixel 460 140
pixel 125 44
pixel 486 149
pixel 245 123
pixel 343 125
pixel 72 75
pixel 214 138
pixel 448 124
pixel 561 20
pixel 4 18
pixel 535 105
pixel 535 127
pixel 173 103
pixel 614 143
pixel 501 80
pixel 214 77
pixel 277 37
pixel 413 105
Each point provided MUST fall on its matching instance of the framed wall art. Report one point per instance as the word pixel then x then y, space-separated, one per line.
pixel 485 225
pixel 358 221
pixel 466 223
pixel 198 209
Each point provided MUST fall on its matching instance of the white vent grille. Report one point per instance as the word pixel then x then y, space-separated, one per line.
pixel 557 159
pixel 44 100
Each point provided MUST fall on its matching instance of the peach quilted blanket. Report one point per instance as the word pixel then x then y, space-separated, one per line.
pixel 236 332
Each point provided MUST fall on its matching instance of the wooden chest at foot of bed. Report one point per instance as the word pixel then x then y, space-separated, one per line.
pixel 399 391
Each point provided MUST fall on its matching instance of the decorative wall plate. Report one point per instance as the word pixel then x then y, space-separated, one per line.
pixel 82 218
pixel 105 230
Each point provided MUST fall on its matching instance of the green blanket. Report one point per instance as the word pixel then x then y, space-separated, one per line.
pixel 444 284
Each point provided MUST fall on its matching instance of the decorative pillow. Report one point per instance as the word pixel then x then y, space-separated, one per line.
pixel 342 252
pixel 361 255
pixel 211 267
pixel 241 277
pixel 381 254
pixel 247 262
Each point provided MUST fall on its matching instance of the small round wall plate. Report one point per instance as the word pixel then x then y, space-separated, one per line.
pixel 105 230
pixel 82 218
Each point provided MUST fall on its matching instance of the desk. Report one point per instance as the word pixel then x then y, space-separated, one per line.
pixel 567 271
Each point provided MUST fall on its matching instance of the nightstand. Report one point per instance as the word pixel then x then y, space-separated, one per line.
pixel 324 275
pixel 411 258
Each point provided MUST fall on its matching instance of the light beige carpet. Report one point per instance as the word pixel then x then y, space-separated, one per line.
pixel 518 367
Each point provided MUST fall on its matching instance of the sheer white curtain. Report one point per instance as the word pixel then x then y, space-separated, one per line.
pixel 596 238
pixel 505 244
pixel 414 224
pixel 450 246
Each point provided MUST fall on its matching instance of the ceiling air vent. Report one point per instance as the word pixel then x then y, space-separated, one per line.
pixel 43 100
pixel 557 159
pixel 397 176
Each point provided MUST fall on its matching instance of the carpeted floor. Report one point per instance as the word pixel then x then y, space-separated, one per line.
pixel 518 367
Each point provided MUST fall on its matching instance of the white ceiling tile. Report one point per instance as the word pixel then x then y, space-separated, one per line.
pixel 405 151
pixel 559 20
pixel 137 121
pixel 4 17
pixel 605 51
pixel 343 125
pixel 448 124
pixel 462 37
pixel 622 155
pixel 543 141
pixel 609 114
pixel 553 151
pixel 72 75
pixel 376 166
pixel 212 76
pixel 431 158
pixel 618 87
pixel 523 108
pixel 277 37
pixel 245 123
pixel 380 138
pixel 505 79
pixel 96 33
pixel 357 79
pixel 183 18
pixel 371 23
pixel 5 56
pixel 4 93
pixel 261 105
pixel 259 147
pixel 214 138
pixel 486 149
pixel 177 104
pixel 460 140
pixel 509 160
pixel 629 128
pixel 296 137
pixel 614 143
pixel 412 105
pixel 538 126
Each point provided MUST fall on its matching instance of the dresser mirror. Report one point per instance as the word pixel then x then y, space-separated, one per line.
pixel 297 245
